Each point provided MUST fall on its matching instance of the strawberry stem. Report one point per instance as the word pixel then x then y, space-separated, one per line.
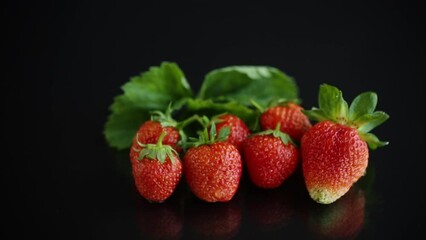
pixel 160 139
pixel 278 127
pixel 257 106
pixel 188 121
pixel 165 119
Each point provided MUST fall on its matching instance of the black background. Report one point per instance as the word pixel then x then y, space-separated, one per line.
pixel 67 60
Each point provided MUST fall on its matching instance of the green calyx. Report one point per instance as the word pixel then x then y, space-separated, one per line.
pixel 157 151
pixel 165 119
pixel 209 137
pixel 360 114
pixel 284 137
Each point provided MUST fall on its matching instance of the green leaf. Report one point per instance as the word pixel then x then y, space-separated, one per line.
pixel 369 121
pixel 331 102
pixel 121 127
pixel 155 88
pixel 364 103
pixel 151 90
pixel 248 83
pixel 372 141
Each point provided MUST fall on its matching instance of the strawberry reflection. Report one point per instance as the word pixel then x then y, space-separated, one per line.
pixel 161 220
pixel 272 209
pixel 214 220
pixel 343 219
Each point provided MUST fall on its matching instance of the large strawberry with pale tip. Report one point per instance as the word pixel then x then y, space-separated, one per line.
pixel 335 150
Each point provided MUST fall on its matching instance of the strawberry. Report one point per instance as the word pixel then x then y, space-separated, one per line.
pixel 271 157
pixel 335 150
pixel 156 169
pixel 212 167
pixel 239 130
pixel 289 116
pixel 150 131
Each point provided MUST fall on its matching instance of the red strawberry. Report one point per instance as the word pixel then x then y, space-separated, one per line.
pixel 213 168
pixel 270 157
pixel 334 151
pixel 239 130
pixel 150 131
pixel 289 116
pixel 156 169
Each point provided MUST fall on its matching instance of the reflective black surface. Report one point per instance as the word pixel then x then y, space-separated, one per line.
pixel 286 211
pixel 65 61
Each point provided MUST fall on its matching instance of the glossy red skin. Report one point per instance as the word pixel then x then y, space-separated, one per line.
pixel 269 161
pixel 155 181
pixel 239 130
pixel 150 131
pixel 213 172
pixel 292 120
pixel 333 158
pixel 147 173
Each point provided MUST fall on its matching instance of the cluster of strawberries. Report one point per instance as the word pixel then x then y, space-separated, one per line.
pixel 333 152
